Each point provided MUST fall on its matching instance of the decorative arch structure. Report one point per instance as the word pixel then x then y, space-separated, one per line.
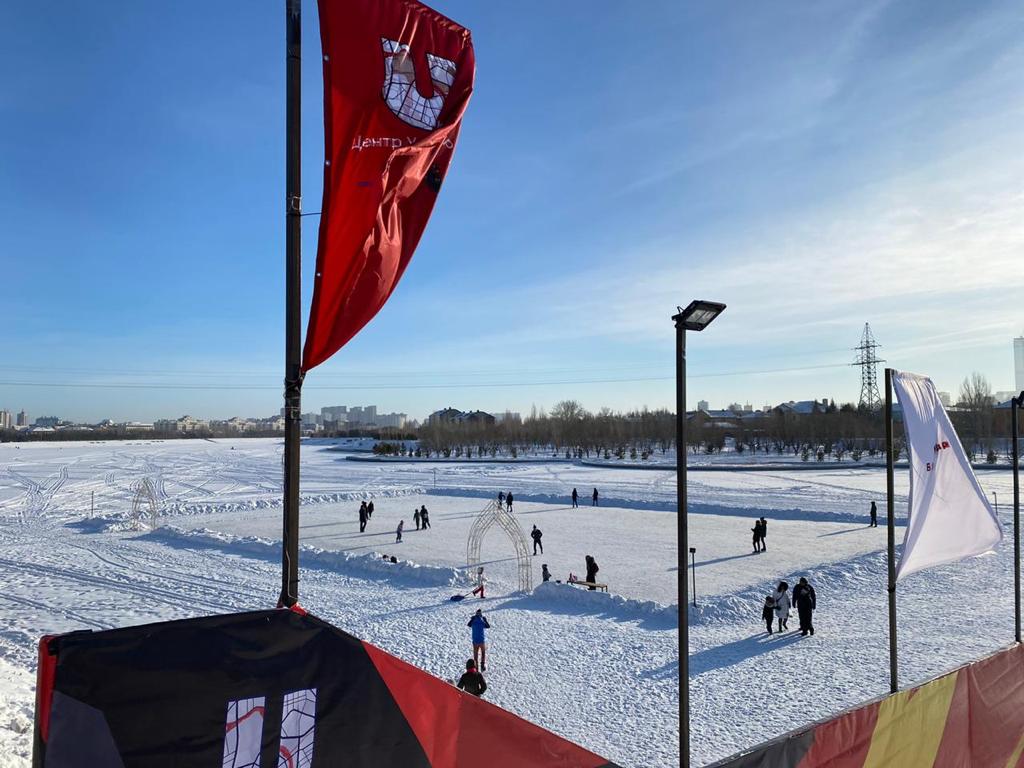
pixel 144 508
pixel 496 514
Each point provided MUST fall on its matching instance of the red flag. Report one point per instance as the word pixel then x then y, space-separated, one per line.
pixel 397 79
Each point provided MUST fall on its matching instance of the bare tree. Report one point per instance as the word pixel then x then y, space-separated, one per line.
pixel 976 403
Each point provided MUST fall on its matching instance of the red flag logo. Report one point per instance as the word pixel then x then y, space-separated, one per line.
pixel 397 79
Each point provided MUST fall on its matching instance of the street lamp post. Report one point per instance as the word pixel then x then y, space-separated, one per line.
pixel 696 317
pixel 1015 405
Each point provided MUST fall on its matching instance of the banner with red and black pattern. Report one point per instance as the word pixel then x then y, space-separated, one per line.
pixel 269 689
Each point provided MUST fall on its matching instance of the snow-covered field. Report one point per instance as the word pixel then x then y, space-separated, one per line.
pixel 599 669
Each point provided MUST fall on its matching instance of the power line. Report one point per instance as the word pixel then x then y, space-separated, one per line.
pixel 447 385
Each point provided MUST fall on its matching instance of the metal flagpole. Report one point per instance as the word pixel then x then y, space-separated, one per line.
pixel 891 531
pixel 1015 453
pixel 293 306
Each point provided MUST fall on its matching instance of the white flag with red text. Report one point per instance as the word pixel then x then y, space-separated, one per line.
pixel 949 517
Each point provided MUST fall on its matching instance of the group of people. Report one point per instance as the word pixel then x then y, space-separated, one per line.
pixel 419 516
pixel 576 499
pixel 760 531
pixel 365 513
pixel 777 606
pixel 505 499
pixel 422 519
pixel 472 680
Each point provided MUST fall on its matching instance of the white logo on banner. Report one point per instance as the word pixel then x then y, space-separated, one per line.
pixel 243 731
pixel 949 519
pixel 400 91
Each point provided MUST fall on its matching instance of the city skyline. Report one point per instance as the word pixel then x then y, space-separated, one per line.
pixel 858 163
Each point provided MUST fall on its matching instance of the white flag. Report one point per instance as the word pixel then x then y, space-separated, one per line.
pixel 949 517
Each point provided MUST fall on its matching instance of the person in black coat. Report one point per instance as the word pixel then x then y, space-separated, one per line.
pixel 764 533
pixel 362 517
pixel 593 499
pixel 472 681
pixel 874 516
pixel 575 499
pixel 536 535
pixel 369 510
pixel 592 570
pixel 806 603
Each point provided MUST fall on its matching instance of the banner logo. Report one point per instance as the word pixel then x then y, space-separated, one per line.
pixel 243 731
pixel 400 92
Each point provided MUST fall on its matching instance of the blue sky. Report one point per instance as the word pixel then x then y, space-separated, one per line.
pixel 815 166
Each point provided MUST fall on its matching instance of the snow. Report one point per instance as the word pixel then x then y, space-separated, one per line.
pixel 600 669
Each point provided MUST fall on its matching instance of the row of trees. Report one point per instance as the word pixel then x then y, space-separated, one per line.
pixel 832 432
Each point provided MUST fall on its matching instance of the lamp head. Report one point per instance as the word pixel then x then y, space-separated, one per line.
pixel 698 315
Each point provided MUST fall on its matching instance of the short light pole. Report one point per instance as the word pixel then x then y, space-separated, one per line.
pixel 696 317
pixel 693 571
pixel 995 501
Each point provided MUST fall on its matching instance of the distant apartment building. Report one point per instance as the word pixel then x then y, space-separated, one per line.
pixel 22 419
pixel 395 420
pixel 136 426
pixel 451 415
pixel 333 415
pixel 1018 364
pixel 702 405
pixel 362 415
pixel 47 421
pixel 186 424
pixel 6 422
pixel 336 417
pixel 946 399
pixel 273 424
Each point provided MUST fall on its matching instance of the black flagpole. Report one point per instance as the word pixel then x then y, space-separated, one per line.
pixel 1014 413
pixel 293 306
pixel 891 531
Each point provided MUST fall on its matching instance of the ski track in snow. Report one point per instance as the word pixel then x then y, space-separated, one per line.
pixel 601 670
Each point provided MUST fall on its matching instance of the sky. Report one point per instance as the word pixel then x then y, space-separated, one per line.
pixel 815 166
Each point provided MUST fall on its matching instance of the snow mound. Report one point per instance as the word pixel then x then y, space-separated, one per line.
pixel 565 598
pixel 16 716
pixel 371 565
pixel 184 508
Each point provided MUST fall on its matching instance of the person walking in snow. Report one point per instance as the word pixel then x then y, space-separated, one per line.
pixel 782 605
pixel 592 570
pixel 424 517
pixel 472 681
pixel 362 517
pixel 398 531
pixel 764 534
pixel 478 623
pixel 501 498
pixel 369 510
pixel 874 516
pixel 416 519
pixel 536 534
pixel 508 501
pixel 480 581
pixel 806 602
pixel 757 535
pixel 575 499
pixel 768 612
pixel 545 574
pixel 593 499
